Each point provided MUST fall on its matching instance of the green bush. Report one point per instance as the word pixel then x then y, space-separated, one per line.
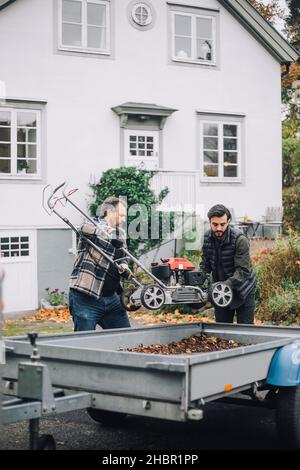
pixel 278 282
pixel 291 203
pixel 135 185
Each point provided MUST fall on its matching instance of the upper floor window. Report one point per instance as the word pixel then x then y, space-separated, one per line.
pixel 193 38
pixel 221 150
pixel 84 26
pixel 19 142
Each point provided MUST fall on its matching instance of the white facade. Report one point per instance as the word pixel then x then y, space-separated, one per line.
pixel 80 135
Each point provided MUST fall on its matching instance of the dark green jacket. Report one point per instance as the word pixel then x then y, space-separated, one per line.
pixel 233 260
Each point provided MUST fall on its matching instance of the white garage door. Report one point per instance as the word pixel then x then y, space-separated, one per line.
pixel 19 260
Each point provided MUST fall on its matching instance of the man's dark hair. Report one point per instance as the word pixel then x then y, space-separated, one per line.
pixel 107 204
pixel 218 211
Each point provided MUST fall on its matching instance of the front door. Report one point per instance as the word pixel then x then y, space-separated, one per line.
pixel 141 149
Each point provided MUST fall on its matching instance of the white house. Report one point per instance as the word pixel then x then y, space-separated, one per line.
pixel 191 88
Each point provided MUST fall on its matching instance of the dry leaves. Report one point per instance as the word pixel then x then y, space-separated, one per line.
pixel 193 344
pixel 61 315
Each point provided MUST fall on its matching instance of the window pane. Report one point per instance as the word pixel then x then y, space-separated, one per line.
pixel 96 37
pixel 230 130
pixel 22 166
pixel 4 240
pixel 71 11
pixel 4 150
pixel 141 145
pixel 141 153
pixel 183 25
pixel 32 167
pixel 5 134
pixel 132 138
pixel 132 145
pixel 230 157
pixel 149 139
pixel 210 170
pixel 133 152
pixel 183 48
pixel 31 151
pixel 141 138
pixel 204 28
pixel 230 144
pixel 210 129
pixel 210 142
pixel 210 157
pixel 24 239
pixel 204 49
pixel 27 119
pixel 14 239
pixel 71 35
pixel 4 166
pixel 24 253
pixel 4 118
pixel 21 150
pixel 230 171
pixel 32 135
pixel 96 14
pixel 149 153
pixel 21 135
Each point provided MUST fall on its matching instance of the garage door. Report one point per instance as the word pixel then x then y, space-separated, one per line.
pixel 19 260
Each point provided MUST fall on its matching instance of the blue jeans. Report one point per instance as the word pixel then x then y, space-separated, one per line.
pixel 87 311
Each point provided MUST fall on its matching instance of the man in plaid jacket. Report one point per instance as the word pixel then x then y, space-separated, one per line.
pixel 95 283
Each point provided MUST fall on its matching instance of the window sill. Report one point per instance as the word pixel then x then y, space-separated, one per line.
pixel 21 177
pixel 221 180
pixel 194 61
pixel 84 51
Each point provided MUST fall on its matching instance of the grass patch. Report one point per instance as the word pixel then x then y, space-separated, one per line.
pixel 21 328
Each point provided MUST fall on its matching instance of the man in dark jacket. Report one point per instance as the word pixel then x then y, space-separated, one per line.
pixel 94 282
pixel 226 257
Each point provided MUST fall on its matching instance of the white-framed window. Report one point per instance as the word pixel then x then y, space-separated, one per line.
pixel 84 26
pixel 193 37
pixel 14 247
pixel 220 150
pixel 141 149
pixel 20 143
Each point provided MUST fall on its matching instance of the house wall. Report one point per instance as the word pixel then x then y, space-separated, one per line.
pixel 54 260
pixel 83 134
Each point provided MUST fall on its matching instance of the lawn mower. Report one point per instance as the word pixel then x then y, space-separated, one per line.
pixel 175 280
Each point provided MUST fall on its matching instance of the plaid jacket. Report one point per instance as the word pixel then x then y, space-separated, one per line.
pixel 90 266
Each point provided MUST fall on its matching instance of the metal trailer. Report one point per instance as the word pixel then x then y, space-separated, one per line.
pixel 91 370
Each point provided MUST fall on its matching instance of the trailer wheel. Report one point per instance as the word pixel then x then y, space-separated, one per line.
pixel 46 442
pixel 221 294
pixel 126 302
pixel 288 416
pixel 106 418
pixel 153 297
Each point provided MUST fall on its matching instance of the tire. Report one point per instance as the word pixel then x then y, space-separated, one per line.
pixel 288 416
pixel 105 417
pixel 46 442
pixel 221 295
pixel 125 300
pixel 153 297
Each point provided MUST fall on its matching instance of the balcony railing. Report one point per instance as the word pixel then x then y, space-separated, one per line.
pixel 183 188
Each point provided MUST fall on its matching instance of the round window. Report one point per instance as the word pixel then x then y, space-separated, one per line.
pixel 141 14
